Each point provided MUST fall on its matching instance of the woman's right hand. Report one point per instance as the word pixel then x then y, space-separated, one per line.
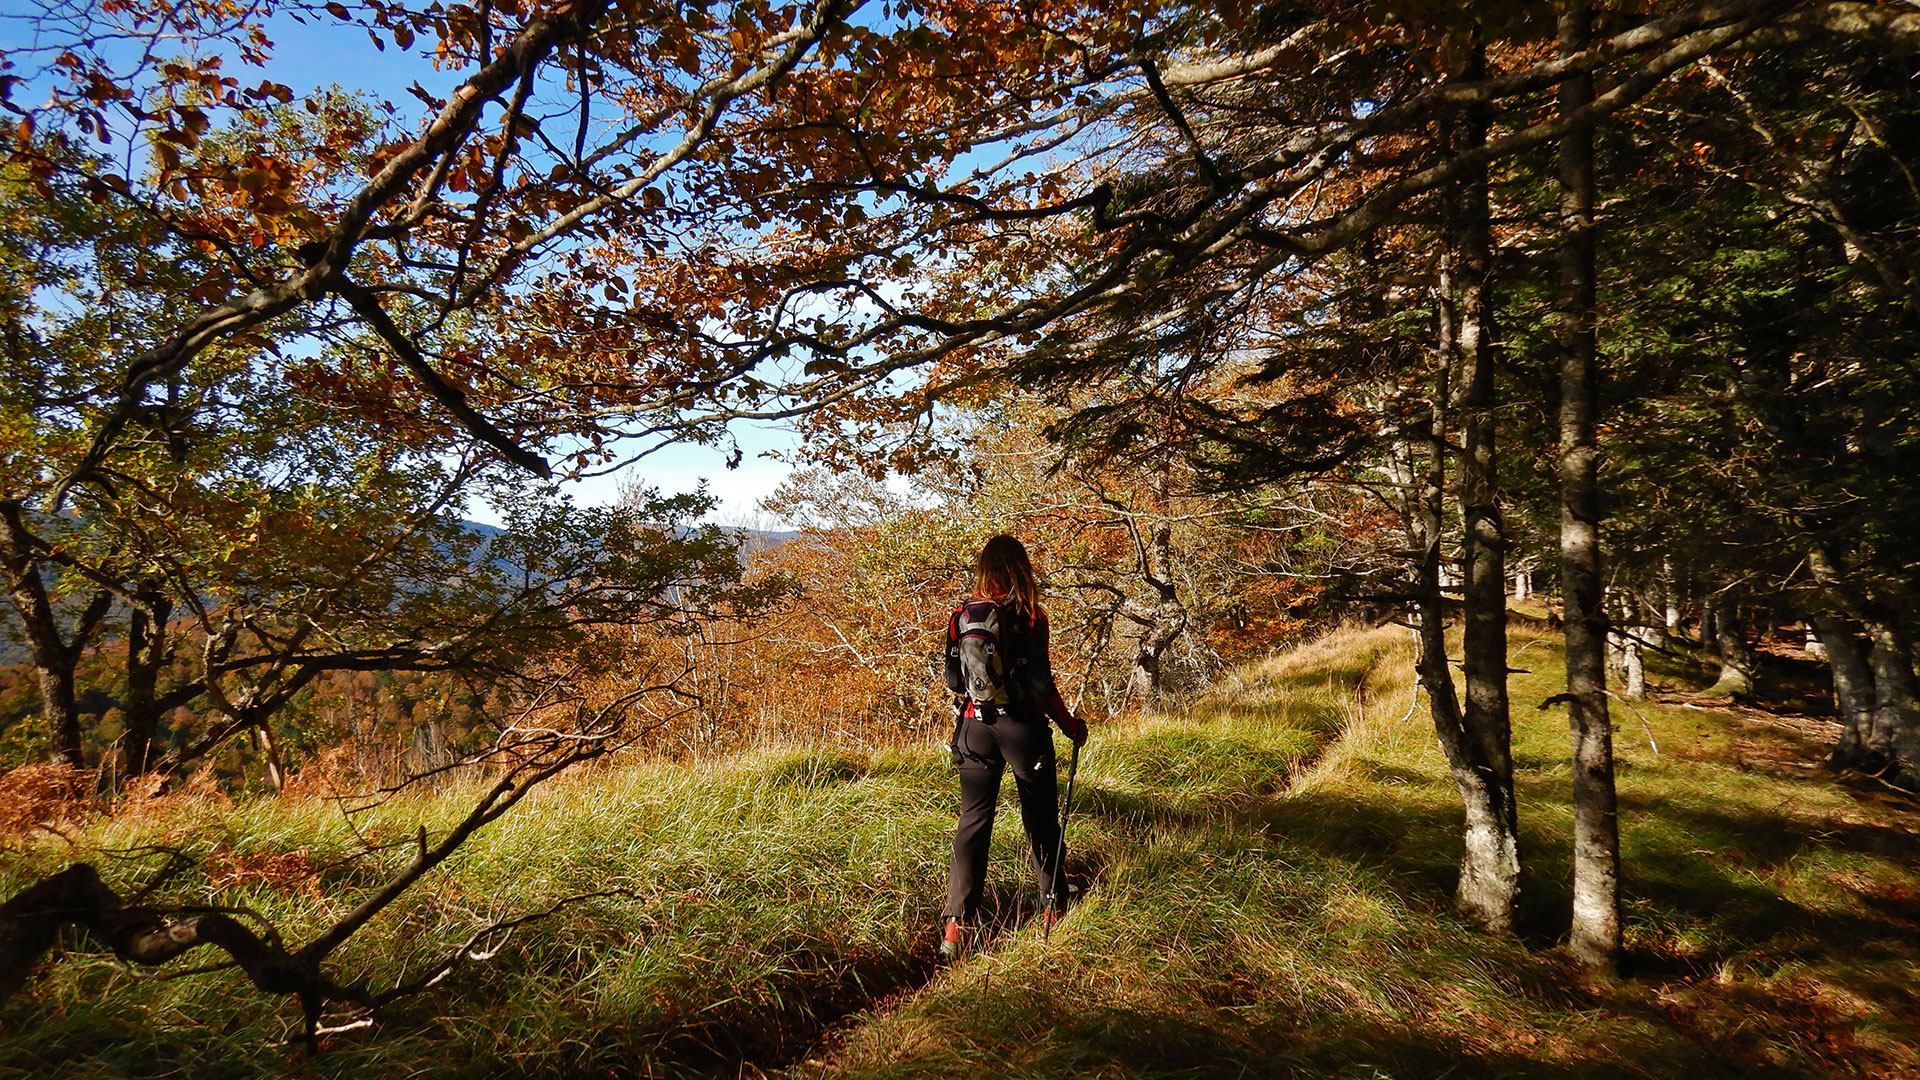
pixel 1074 728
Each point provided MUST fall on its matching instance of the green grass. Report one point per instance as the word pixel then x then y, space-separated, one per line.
pixel 1269 875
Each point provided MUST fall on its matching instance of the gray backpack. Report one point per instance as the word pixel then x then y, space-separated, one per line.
pixel 984 663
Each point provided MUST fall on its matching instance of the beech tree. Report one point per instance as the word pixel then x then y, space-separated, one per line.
pixel 278 266
pixel 209 539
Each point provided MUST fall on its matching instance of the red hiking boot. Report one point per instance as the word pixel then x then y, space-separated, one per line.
pixel 950 940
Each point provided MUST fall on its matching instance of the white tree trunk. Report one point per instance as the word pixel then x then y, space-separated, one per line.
pixel 1633 668
pixel 1814 646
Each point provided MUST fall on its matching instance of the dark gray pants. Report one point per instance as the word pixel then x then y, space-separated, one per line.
pixel 985 751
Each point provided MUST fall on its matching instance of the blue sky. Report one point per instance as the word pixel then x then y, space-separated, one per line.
pixel 682 468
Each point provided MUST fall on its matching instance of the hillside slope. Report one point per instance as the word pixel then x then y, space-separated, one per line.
pixel 1267 894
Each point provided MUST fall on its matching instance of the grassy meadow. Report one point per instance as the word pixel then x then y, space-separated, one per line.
pixel 1267 877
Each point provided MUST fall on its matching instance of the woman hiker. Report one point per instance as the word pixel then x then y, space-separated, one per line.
pixel 997 665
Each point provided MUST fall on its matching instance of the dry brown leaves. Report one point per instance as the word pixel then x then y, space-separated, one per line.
pixel 43 796
pixel 333 773
pixel 283 871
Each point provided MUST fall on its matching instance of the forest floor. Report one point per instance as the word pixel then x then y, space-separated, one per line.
pixel 1267 875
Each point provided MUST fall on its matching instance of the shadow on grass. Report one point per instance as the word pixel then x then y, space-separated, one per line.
pixel 1153 1043
pixel 1345 1045
pixel 816 990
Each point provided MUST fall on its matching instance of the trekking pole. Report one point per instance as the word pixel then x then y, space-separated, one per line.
pixel 1060 846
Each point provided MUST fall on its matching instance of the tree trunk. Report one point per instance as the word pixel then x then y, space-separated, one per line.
pixel 1853 696
pixel 1483 548
pixel 1632 650
pixel 1810 641
pixel 1895 738
pixel 1488 891
pixel 1169 616
pixel 146 656
pixel 269 748
pixel 32 921
pixel 1144 682
pixel 55 662
pixel 1595 938
pixel 1709 627
pixel 61 708
pixel 1616 641
pixel 55 657
pixel 1737 660
pixel 1633 671
pixel 1670 592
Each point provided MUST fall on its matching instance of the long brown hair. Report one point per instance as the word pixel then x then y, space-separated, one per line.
pixel 1003 570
